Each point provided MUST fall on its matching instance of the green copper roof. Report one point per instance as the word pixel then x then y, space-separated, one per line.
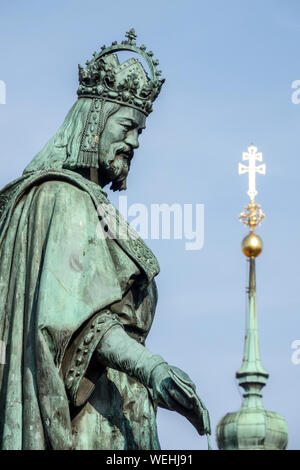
pixel 252 427
pixel 252 376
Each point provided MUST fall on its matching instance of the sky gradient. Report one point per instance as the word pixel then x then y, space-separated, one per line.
pixel 229 68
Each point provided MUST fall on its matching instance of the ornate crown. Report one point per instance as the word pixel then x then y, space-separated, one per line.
pixel 127 83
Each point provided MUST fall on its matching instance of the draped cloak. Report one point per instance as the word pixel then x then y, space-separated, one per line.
pixel 59 273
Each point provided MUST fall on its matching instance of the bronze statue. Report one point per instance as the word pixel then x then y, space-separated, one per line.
pixel 76 306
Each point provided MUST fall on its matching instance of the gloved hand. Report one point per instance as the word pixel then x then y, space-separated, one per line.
pixel 174 390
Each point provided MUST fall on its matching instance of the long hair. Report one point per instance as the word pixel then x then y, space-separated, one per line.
pixel 63 149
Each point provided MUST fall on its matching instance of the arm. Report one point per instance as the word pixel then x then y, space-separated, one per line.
pixel 119 351
pixel 172 388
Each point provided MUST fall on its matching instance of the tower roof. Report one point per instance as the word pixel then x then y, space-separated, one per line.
pixel 252 427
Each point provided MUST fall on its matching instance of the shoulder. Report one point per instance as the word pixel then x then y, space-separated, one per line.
pixel 57 187
pixel 62 192
pixel 62 199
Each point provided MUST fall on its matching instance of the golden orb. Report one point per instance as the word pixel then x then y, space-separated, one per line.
pixel 252 245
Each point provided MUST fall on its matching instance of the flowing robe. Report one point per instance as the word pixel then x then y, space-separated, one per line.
pixel 62 286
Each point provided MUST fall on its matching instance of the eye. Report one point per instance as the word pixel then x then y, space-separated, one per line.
pixel 126 126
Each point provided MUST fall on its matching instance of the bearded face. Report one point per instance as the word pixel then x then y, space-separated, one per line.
pixel 118 141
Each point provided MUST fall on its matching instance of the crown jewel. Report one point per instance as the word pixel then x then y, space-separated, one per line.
pixel 125 83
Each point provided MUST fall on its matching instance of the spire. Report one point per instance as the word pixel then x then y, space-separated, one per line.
pixel 252 376
pixel 252 427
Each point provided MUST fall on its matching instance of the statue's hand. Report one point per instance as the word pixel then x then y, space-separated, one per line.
pixel 174 390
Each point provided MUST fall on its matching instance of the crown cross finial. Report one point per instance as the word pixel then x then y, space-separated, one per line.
pixel 252 156
pixel 131 36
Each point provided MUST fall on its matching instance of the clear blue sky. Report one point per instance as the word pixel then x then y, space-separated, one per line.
pixel 229 68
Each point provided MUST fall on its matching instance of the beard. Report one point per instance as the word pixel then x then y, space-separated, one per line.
pixel 116 166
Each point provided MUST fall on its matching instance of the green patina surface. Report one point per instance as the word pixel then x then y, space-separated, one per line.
pixel 252 427
pixel 76 304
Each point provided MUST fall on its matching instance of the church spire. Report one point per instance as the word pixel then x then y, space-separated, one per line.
pixel 252 428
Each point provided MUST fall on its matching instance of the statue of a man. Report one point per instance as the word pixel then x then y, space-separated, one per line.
pixel 77 296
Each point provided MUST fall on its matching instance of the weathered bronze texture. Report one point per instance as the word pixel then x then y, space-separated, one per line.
pixel 78 297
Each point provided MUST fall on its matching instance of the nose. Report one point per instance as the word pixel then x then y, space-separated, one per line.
pixel 132 138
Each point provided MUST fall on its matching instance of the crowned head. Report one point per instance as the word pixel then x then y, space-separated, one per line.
pixel 102 129
pixel 122 95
